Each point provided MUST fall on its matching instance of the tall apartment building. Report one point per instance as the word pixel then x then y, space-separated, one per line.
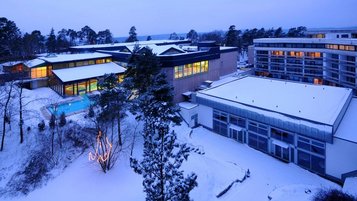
pixel 330 61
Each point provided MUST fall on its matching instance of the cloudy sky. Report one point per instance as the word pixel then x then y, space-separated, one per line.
pixel 166 16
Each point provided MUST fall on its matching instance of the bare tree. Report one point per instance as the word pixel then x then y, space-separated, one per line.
pixel 8 92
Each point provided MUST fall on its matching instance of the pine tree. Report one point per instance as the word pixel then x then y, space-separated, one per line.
pixel 193 36
pixel 162 155
pixel 112 101
pixel 174 36
pixel 132 35
pixel 142 68
pixel 51 42
pixel 231 38
pixel 148 38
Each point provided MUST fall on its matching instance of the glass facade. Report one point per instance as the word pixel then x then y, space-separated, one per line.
pixel 190 69
pixel 287 146
pixel 38 72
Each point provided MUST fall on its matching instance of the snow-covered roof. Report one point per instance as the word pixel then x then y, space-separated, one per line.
pixel 316 103
pixel 11 63
pixel 342 41
pixel 158 50
pixel 141 43
pixel 348 126
pixel 187 105
pixel 350 185
pixel 34 62
pixel 86 72
pixel 73 57
pixel 226 48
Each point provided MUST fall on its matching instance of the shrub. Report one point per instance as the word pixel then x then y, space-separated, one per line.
pixel 333 195
pixel 62 121
pixel 41 126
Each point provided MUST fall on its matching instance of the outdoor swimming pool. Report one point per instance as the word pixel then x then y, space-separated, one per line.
pixel 71 107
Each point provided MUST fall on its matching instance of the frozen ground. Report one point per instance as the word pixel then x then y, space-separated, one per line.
pixel 224 161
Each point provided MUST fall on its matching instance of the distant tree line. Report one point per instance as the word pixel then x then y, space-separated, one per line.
pixel 243 38
pixel 15 45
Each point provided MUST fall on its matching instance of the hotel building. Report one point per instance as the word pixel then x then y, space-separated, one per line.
pixel 186 66
pixel 329 61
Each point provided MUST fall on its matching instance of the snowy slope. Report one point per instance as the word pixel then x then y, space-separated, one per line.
pixel 223 161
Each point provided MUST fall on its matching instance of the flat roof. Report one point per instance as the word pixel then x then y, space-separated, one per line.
pixel 317 103
pixel 343 41
pixel 348 126
pixel 86 72
pixel 56 58
pixel 141 43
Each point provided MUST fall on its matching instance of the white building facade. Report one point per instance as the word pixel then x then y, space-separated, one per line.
pixel 294 122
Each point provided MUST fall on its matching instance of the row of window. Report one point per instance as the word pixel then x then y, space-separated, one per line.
pixel 341 47
pixel 81 63
pixel 191 69
pixel 308 45
pixel 310 153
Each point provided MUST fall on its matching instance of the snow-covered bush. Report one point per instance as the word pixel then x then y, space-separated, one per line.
pixel 333 195
pixel 41 126
pixel 35 171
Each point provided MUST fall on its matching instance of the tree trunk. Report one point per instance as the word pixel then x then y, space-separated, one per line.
pixel 21 118
pixel 52 141
pixel 119 132
pixel 5 117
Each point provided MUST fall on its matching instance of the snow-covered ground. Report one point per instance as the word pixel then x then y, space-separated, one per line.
pixel 223 162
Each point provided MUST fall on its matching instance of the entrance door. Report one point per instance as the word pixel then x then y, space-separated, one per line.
pixel 281 152
pixel 237 135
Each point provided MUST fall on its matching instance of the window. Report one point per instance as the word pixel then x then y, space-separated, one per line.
pixel 220 115
pixel 91 62
pixel 277 53
pixel 282 135
pixel 190 69
pixel 179 71
pixel 312 146
pixel 258 128
pixel 311 162
pixel 38 72
pixel 100 61
pixel 68 90
pixel 237 121
pixel 108 60
pixel 93 85
pixel 120 78
pixel 258 142
pixel 196 67
pixel 220 128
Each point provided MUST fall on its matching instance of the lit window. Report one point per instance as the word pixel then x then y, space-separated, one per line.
pixel 39 72
pixel 108 60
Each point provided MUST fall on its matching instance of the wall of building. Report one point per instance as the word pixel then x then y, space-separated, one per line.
pixel 340 157
pixel 189 115
pixel 205 115
pixel 251 54
pixel 191 83
pixel 228 63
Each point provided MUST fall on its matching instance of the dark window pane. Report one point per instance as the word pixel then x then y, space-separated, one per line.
pixel 318 164
pixel 304 159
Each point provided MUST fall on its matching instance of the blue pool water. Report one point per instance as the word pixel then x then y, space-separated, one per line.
pixel 71 107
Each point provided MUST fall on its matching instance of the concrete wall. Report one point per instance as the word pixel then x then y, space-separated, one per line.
pixel 228 63
pixel 205 115
pixel 187 115
pixel 251 54
pixel 341 157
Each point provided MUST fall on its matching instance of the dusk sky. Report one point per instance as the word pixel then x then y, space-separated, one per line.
pixel 164 16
